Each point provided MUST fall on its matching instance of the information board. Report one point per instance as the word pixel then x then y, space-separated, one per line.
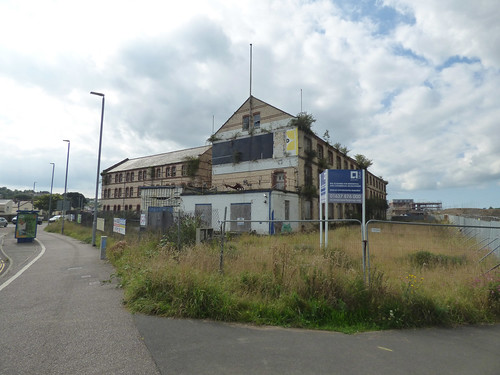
pixel 119 225
pixel 341 186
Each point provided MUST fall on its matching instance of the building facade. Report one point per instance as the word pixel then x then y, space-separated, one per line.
pixel 259 148
pixel 122 183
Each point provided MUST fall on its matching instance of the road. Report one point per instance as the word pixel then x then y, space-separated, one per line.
pixel 58 317
pixel 62 316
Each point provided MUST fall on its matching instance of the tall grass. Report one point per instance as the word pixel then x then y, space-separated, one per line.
pixel 419 276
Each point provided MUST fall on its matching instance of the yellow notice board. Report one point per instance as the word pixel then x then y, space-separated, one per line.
pixel 292 142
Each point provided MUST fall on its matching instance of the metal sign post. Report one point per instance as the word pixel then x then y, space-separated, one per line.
pixel 342 186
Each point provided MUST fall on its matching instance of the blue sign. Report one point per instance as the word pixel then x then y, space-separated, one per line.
pixel 341 186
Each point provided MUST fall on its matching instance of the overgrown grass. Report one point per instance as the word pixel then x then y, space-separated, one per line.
pixel 290 281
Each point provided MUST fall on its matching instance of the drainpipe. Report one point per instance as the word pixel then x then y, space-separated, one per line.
pixel 270 211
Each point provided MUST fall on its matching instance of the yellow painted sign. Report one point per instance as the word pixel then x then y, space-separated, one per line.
pixel 292 142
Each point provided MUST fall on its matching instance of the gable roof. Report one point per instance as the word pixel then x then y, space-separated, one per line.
pixel 255 103
pixel 157 160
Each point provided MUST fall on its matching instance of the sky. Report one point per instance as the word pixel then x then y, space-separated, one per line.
pixel 412 85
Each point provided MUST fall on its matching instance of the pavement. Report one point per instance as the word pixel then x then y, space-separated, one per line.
pixel 64 315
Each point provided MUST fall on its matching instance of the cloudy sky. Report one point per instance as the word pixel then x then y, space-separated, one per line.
pixel 412 85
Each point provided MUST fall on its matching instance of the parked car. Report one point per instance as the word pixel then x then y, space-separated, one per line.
pixel 3 222
pixel 14 220
pixel 53 219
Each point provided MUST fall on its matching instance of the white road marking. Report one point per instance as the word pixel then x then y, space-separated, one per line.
pixel 20 272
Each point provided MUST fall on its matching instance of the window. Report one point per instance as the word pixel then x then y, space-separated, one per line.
pixel 308 180
pixel 138 208
pixel 158 173
pixel 279 180
pixel 167 172
pixel 246 122
pixel 320 151
pixel 116 193
pixel 140 175
pixel 173 171
pixel 184 170
pixel 132 176
pixel 307 144
pixel 116 178
pixel 339 163
pixel 126 192
pixel 127 178
pixel 121 177
pixel 256 120
pixel 287 210
pixel 330 158
pixel 131 192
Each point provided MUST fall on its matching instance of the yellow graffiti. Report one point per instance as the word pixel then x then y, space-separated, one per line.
pixel 291 142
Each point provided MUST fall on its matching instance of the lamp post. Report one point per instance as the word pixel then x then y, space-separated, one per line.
pixel 33 198
pixel 94 224
pixel 51 186
pixel 65 187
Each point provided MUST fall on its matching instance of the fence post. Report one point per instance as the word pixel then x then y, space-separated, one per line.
pixel 104 240
pixel 222 235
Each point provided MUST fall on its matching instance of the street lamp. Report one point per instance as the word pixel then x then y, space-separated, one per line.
pixel 33 198
pixel 94 224
pixel 65 187
pixel 51 186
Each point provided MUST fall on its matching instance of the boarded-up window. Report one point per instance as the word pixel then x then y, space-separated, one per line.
pixel 306 210
pixel 279 180
pixel 241 212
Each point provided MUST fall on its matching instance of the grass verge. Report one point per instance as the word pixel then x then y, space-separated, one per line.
pixel 290 281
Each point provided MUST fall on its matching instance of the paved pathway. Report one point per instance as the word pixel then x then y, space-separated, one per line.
pixel 58 317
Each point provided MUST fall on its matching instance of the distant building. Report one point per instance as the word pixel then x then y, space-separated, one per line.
pixel 405 207
pixel 122 182
pixel 7 207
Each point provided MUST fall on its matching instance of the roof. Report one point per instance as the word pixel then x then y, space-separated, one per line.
pixel 244 103
pixel 157 160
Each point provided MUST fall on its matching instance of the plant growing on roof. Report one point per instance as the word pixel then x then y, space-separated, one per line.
pixel 213 138
pixel 304 122
pixel 363 161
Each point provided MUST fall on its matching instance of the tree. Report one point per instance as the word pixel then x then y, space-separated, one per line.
pixel 77 200
pixel 363 161
pixel 326 137
pixel 42 202
pixel 193 164
pixel 304 122
pixel 342 149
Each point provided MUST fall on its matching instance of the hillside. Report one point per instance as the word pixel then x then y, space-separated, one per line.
pixel 495 212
